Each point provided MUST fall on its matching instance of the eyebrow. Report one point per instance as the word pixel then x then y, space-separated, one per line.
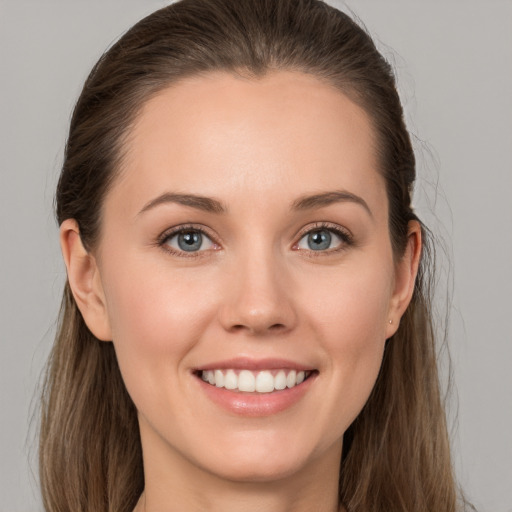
pixel 327 198
pixel 207 204
pixel 211 205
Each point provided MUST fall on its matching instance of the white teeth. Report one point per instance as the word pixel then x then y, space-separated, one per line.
pixel 280 380
pixel 230 380
pixel 208 376
pixel 246 381
pixel 291 379
pixel 219 379
pixel 265 381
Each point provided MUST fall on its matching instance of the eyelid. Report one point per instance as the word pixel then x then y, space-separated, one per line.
pixel 343 233
pixel 318 225
pixel 183 228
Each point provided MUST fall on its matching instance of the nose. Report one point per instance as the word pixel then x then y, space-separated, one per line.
pixel 258 296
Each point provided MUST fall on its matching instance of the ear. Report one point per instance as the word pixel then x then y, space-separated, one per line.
pixel 84 280
pixel 406 271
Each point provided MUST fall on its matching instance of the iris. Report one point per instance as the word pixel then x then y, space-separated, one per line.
pixel 190 241
pixel 319 240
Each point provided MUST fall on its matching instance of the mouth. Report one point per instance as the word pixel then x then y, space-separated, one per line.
pixel 254 381
pixel 252 387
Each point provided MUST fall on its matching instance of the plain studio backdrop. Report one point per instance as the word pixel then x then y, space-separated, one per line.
pixel 454 65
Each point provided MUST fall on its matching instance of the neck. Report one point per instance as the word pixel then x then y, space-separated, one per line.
pixel 242 497
pixel 245 498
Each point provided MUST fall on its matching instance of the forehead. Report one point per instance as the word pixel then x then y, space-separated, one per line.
pixel 225 136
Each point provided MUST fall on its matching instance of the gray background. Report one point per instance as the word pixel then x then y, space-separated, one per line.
pixel 454 63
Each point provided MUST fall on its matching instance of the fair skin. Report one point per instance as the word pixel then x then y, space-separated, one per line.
pixel 272 279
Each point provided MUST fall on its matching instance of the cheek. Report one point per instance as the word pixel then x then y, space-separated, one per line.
pixel 352 305
pixel 156 317
pixel 356 341
pixel 350 321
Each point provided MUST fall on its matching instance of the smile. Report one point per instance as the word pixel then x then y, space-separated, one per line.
pixel 255 387
pixel 263 381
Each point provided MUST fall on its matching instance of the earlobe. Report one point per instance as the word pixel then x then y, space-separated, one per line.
pixel 406 271
pixel 84 280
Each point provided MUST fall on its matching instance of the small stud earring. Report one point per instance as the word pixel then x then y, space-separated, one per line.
pixel 390 321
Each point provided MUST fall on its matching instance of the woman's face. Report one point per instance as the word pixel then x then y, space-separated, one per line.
pixel 245 242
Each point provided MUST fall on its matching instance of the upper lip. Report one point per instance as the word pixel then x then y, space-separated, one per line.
pixel 247 363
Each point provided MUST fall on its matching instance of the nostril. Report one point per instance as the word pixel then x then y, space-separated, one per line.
pixel 258 329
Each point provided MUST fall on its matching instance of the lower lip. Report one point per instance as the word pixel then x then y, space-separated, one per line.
pixel 256 404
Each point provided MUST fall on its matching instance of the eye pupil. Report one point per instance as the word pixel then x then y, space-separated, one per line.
pixel 190 241
pixel 319 240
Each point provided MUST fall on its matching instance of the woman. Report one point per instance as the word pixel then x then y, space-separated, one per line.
pixel 246 323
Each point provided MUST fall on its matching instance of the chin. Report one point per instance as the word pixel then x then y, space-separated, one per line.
pixel 257 471
pixel 258 461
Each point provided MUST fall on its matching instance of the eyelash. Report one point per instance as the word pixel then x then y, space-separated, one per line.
pixel 344 235
pixel 347 239
pixel 167 235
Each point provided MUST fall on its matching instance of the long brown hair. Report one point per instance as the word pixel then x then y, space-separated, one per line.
pixel 396 454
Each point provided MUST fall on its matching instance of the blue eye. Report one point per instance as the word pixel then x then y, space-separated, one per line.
pixel 321 240
pixel 189 240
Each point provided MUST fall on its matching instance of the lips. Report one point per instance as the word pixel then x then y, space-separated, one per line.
pixel 253 387
pixel 254 364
